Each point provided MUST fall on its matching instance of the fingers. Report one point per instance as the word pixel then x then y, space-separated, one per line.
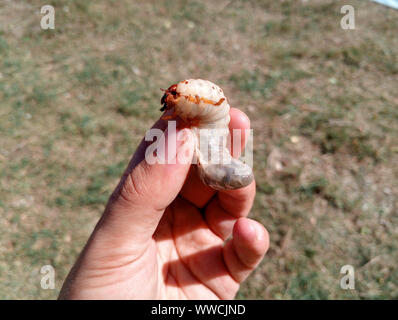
pixel 227 207
pixel 194 190
pixel 239 121
pixel 146 189
pixel 246 249
pixel 200 250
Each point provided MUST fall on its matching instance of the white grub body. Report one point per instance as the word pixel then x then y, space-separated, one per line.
pixel 202 105
pixel 210 116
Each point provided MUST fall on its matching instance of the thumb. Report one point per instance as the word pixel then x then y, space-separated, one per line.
pixel 147 188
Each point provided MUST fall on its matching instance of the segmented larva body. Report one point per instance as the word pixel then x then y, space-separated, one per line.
pixel 202 106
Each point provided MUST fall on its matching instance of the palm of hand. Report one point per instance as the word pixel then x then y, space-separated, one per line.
pixel 189 257
pixel 163 234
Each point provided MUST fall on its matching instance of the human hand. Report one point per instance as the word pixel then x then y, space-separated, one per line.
pixel 163 233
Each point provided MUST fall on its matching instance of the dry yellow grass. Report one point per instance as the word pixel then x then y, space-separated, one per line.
pixel 75 101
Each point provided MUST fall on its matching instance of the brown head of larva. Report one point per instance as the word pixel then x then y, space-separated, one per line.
pixel 168 99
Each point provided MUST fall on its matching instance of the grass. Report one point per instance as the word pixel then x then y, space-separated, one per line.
pixel 75 101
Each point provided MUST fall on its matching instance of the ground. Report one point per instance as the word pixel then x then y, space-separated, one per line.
pixel 75 101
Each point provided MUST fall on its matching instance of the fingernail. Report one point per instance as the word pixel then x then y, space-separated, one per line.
pixel 257 231
pixel 185 146
pixel 252 229
pixel 184 135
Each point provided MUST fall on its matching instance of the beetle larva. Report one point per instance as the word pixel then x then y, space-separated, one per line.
pixel 202 106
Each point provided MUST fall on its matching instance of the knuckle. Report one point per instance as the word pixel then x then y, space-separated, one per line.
pixel 135 188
